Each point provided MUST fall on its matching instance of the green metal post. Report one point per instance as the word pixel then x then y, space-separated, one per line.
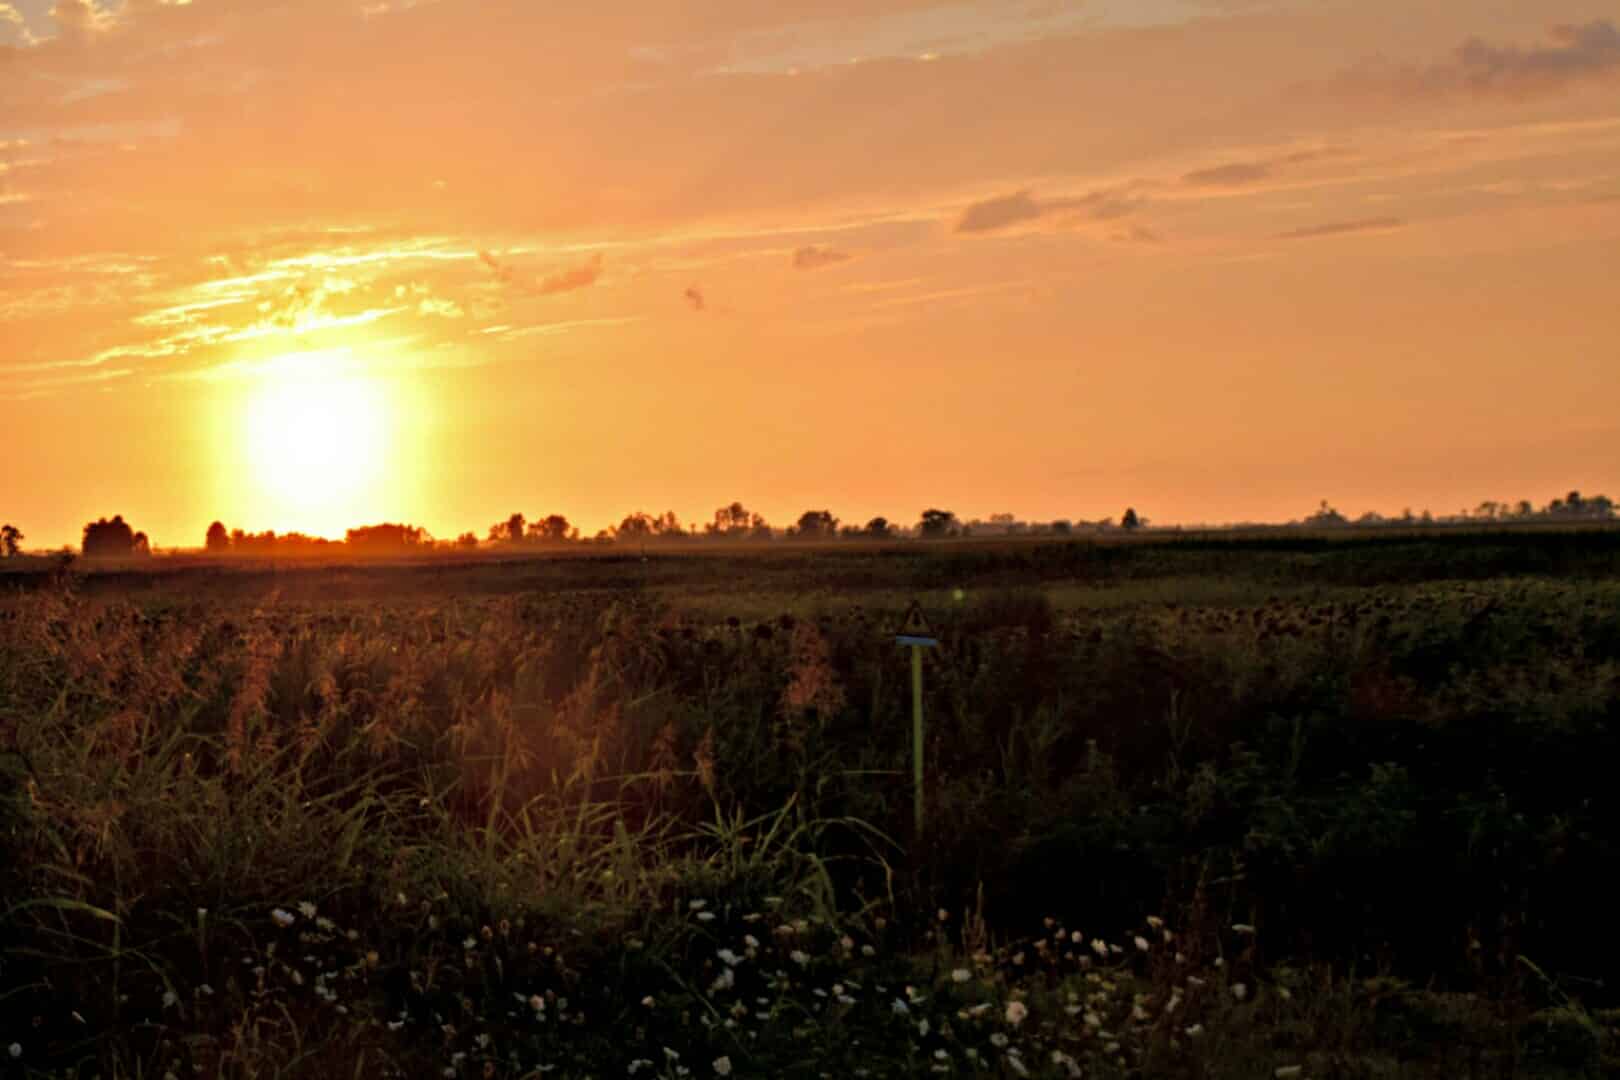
pixel 917 733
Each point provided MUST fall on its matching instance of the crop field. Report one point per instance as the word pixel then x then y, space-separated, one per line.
pixel 1273 806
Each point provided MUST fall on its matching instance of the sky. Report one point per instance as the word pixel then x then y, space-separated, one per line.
pixel 322 263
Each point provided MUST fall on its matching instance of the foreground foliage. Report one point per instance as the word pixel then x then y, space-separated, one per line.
pixel 608 832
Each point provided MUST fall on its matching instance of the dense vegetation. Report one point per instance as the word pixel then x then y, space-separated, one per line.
pixel 1293 807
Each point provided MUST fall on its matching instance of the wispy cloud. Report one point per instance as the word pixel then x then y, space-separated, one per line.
pixel 578 277
pixel 1338 228
pixel 1574 54
pixel 814 258
pixel 1020 207
pixel 1000 212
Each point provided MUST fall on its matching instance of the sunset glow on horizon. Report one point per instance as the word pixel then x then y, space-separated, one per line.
pixel 319 264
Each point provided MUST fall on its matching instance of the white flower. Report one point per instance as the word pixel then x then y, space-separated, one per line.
pixel 998 1040
pixel 1285 993
pixel 705 916
pixel 1141 943
pixel 1155 922
pixel 1195 1031
pixel 697 905
pixel 923 1028
pixel 961 975
pixel 1099 946
pixel 15 1050
pixel 899 1008
pixel 1239 991
pixel 1016 1065
pixel 751 941
pixel 799 956
pixel 1285 1072
pixel 724 981
pixel 942 1054
pixel 283 918
pixel 722 1066
pixel 170 999
pixel 1016 1012
pixel 306 909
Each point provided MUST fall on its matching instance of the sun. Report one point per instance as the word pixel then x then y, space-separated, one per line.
pixel 316 445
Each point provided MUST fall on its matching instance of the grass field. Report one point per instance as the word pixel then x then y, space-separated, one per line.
pixel 1200 806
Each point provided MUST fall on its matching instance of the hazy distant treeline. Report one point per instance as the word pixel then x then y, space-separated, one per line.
pixel 116 538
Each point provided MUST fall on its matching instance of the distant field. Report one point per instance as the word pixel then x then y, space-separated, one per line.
pixel 1197 806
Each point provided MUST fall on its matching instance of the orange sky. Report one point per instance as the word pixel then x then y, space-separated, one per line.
pixel 1215 259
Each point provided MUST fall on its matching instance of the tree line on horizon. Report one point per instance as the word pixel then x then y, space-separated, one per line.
pixel 115 538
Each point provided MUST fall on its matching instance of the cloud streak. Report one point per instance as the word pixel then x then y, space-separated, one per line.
pixel 579 277
pixel 1574 54
pixel 814 258
pixel 1021 207
pixel 1340 228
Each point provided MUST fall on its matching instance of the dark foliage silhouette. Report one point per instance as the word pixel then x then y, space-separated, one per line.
pixel 217 540
pixel 104 539
pixel 11 539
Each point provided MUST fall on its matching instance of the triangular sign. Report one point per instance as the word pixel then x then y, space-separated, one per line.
pixel 915 625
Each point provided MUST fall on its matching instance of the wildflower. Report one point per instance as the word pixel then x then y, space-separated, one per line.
pixel 799 956
pixel 1285 1072
pixel 1092 1020
pixel 722 1066
pixel 961 975
pixel 1155 922
pixel 923 1027
pixel 282 918
pixel 899 1008
pixel 867 950
pixel 1285 993
pixel 697 905
pixel 751 941
pixel 1099 946
pixel 998 1040
pixel 648 1001
pixel 731 959
pixel 1239 991
pixel 1141 943
pixel 470 943
pixel 1016 1065
pixel 942 1054
pixel 15 1050
pixel 1242 928
pixel 944 916
pixel 1076 937
pixel 1195 1031
pixel 306 909
pixel 1016 1012
pixel 170 999
pixel 671 1054
pixel 705 916
pixel 724 981
pixel 1138 1013
pixel 1071 1066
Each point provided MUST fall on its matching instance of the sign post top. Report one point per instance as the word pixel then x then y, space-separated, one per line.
pixel 914 629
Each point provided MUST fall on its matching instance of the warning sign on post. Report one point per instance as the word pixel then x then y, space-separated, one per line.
pixel 914 630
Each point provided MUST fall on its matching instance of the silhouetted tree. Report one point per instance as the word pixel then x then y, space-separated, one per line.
pixel 467 540
pixel 140 545
pixel 105 539
pixel 11 539
pixel 879 529
pixel 1325 515
pixel 1062 528
pixel 218 539
pixel 553 529
pixel 386 537
pixel 1130 520
pixel 816 525
pixel 936 524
